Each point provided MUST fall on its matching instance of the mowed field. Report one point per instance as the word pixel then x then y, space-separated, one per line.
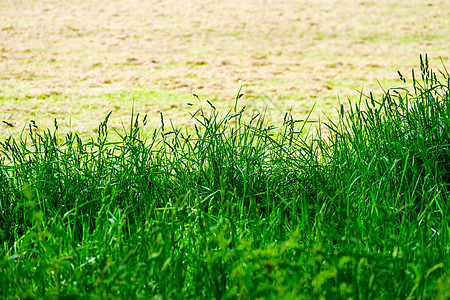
pixel 75 61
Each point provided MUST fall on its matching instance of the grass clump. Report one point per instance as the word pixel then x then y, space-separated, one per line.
pixel 236 208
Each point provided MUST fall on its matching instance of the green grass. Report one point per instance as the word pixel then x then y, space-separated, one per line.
pixel 236 208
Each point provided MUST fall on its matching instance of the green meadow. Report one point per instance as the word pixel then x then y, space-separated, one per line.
pixel 235 207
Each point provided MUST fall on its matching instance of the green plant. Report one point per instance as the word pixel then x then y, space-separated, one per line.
pixel 235 207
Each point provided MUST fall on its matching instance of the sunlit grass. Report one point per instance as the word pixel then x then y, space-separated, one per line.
pixel 235 207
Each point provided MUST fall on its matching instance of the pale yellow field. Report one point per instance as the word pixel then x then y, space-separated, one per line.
pixel 77 60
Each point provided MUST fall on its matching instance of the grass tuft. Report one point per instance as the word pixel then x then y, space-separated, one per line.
pixel 235 207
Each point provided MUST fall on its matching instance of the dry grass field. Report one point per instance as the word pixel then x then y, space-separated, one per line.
pixel 77 60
